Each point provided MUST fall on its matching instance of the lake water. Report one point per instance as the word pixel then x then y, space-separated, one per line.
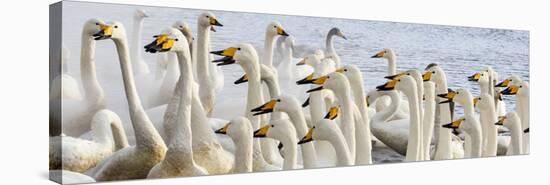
pixel 460 51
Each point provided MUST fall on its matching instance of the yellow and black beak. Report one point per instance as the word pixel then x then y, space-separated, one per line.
pixel 308 137
pixel 162 43
pixel 265 108
pixel 449 96
pixel 223 130
pixel 306 103
pixel 396 76
pixel 379 54
pixel 281 31
pixel 390 85
pixel 427 76
pixel 454 125
pixel 319 81
pixel 243 79
pixel 262 132
pixel 214 22
pixel 475 77
pixel 500 120
pixel 504 83
pixel 476 100
pixel 307 80
pixel 511 90
pixel 228 54
pixel 332 113
pixel 105 32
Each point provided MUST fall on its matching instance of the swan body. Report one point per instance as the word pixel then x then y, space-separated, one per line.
pixel 132 162
pixel 64 86
pixel 240 131
pixel 79 155
pixel 326 130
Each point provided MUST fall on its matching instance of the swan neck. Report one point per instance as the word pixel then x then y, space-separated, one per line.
pixel 385 114
pixel 268 50
pixel 392 68
pixel 342 151
pixel 298 119
pixel 291 153
pixel 329 44
pixel 93 92
pixel 243 153
pixel 413 146
pixel 136 41
pixel 203 47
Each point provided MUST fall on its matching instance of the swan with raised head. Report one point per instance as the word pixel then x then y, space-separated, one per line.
pixel 79 155
pixel 70 88
pixel 273 30
pixel 246 57
pixel 135 161
pixel 513 123
pixel 283 131
pixel 326 130
pixel 469 125
pixel 138 64
pixel 521 91
pixel 178 160
pixel 329 45
pixel 428 118
pixel 240 131
pixel 488 116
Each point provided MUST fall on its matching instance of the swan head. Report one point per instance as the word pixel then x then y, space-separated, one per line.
pixel 140 14
pixel 208 20
pixel 111 30
pixel 282 103
pixel 521 89
pixel 92 27
pixel 417 76
pixel 403 83
pixel 337 32
pixel 461 96
pixel 513 79
pixel 281 130
pixel 386 53
pixel 435 74
pixel 237 128
pixel 170 39
pixel 310 60
pixel 334 81
pixel 484 101
pixel 324 130
pixel 241 54
pixel 185 29
pixel 275 28
pixel 508 120
pixel 352 72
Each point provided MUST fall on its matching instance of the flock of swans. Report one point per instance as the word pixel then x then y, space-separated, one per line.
pixel 309 112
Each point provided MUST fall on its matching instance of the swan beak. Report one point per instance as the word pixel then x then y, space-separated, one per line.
pixel 500 120
pixel 262 132
pixel 504 83
pixel 223 130
pixel 215 22
pixel 306 103
pixel 390 85
pixel 449 96
pixel 344 37
pixel 302 62
pixel 476 100
pixel 265 108
pixel 499 96
pixel 332 113
pixel 526 130
pixel 228 56
pixel 308 137
pixel 475 77
pixel 307 80
pixel 105 32
pixel 427 76
pixel 396 76
pixel 379 54
pixel 454 124
pixel 511 90
pixel 315 89
pixel 281 31
pixel 243 79
pixel 162 43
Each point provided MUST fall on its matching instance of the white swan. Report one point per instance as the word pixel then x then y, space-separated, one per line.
pixel 521 91
pixel 326 130
pixel 179 157
pixel 138 64
pixel 77 114
pixel 64 86
pixel 488 117
pixel 79 155
pixel 273 30
pixel 284 131
pixel 135 161
pixel 407 85
pixel 513 123
pixel 473 128
pixel 291 106
pixel 329 45
pixel 210 77
pixel 389 55
pixel 289 73
pixel 240 131
pixel 245 56
pixel 428 118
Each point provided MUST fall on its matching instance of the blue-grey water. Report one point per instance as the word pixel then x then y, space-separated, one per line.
pixel 460 51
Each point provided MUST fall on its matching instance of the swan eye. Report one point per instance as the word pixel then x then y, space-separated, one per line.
pixel 96 23
pixel 272 125
pixel 176 39
pixel 345 69
pixel 510 80
pixel 116 26
pixel 207 16
pixel 433 72
pixel 520 86
pixel 238 48
pixel 275 26
pixel 278 100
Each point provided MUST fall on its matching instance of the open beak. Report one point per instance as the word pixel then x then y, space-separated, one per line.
pixel 500 120
pixel 511 90
pixel 332 113
pixel 105 32
pixel 504 83
pixel 243 79
pixel 265 108
pixel 262 132
pixel 214 22
pixel 379 54
pixel 162 43
pixel 228 54
pixel 390 85
pixel 427 76
pixel 449 97
pixel 223 130
pixel 308 137
pixel 475 77
pixel 307 80
pixel 306 103
pixel 281 31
